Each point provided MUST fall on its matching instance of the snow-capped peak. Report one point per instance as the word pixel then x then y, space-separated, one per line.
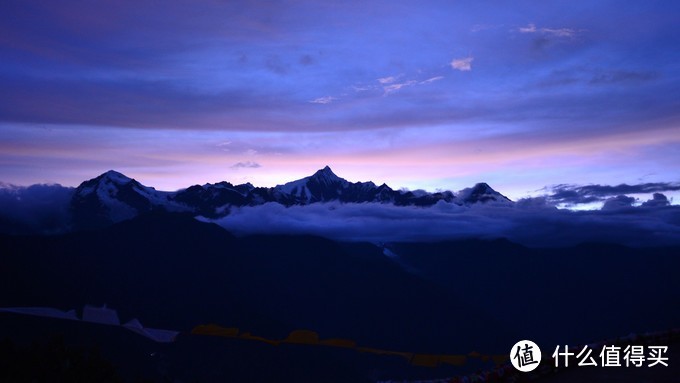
pixel 323 185
pixel 115 177
pixel 481 192
pixel 110 181
pixel 113 197
pixel 326 176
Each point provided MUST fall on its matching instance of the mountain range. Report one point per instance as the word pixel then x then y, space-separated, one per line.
pixel 143 252
pixel 113 197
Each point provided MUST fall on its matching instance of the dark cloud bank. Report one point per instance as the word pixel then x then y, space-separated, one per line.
pixel 582 194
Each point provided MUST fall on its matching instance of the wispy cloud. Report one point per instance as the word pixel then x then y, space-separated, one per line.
pixel 391 84
pixel 387 85
pixel 560 32
pixel 393 87
pixel 431 80
pixel 362 88
pixel 557 32
pixel 387 80
pixel 462 64
pixel 246 164
pixel 323 100
pixel 531 28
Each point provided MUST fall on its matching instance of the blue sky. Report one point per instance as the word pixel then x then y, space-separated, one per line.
pixel 433 94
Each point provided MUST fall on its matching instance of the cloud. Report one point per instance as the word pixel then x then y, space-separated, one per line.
pixel 387 80
pixel 323 100
pixel 431 80
pixel 559 32
pixel 393 87
pixel 462 64
pixel 246 164
pixel 532 224
pixel 531 28
pixel 390 84
pixel 658 200
pixel 574 195
pixel 362 88
pixel 138 103
pixel 556 32
pixel 37 208
pixel 618 202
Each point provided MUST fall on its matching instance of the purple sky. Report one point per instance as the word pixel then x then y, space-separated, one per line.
pixel 430 94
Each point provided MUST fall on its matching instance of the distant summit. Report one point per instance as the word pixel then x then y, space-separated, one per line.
pixel 321 186
pixel 481 193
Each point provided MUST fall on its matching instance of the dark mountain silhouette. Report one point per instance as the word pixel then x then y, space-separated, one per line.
pixel 207 199
pixel 559 294
pixel 179 272
pixel 175 272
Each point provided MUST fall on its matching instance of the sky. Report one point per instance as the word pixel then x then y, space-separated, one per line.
pixel 522 95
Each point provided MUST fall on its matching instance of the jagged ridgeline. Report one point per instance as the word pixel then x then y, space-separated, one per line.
pixel 113 197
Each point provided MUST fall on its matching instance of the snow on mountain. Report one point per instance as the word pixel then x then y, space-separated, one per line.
pixel 322 186
pixel 324 177
pixel 113 197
